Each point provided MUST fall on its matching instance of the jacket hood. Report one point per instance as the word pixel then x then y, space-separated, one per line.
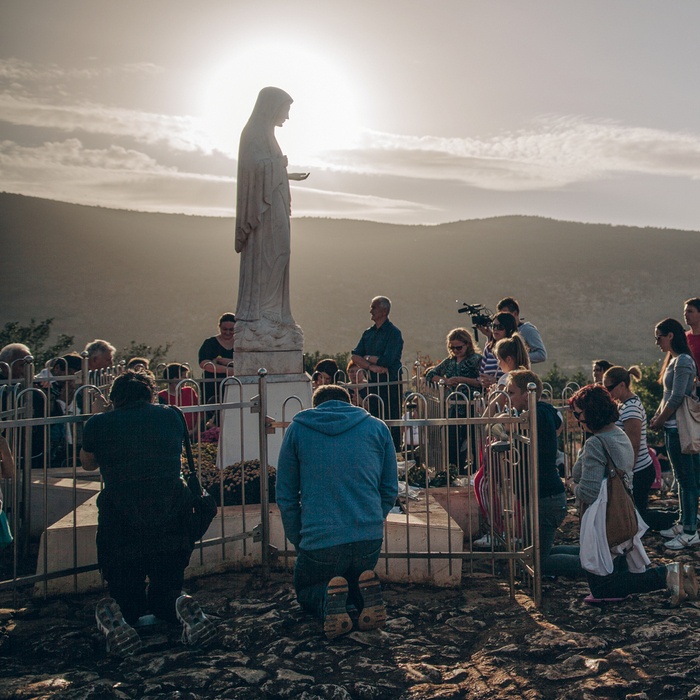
pixel 331 417
pixel 555 413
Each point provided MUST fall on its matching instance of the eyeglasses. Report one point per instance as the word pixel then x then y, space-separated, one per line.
pixel 498 327
pixel 659 335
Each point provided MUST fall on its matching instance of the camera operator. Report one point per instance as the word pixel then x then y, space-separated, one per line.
pixel 529 333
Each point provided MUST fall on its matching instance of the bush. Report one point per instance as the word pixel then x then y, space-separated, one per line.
pixel 558 380
pixel 34 336
pixel 650 392
pixel 155 356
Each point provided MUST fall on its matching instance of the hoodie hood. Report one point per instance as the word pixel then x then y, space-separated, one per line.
pixel 556 415
pixel 331 417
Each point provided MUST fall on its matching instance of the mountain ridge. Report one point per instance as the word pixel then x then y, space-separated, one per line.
pixel 593 290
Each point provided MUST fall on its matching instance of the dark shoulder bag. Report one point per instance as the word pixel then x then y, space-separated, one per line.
pixel 202 506
pixel 620 515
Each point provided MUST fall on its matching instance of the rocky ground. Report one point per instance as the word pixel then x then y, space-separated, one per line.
pixel 466 643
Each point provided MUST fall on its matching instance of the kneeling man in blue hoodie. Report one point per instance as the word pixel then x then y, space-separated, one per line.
pixel 336 482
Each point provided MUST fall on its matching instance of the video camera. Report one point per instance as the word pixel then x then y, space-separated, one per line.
pixel 480 315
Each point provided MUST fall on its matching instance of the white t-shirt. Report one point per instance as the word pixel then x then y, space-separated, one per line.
pixel 633 408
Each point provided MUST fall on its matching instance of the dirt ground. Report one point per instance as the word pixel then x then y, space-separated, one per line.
pixel 471 642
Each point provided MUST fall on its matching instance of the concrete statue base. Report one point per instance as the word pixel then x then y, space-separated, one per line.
pixel 287 394
pixel 277 362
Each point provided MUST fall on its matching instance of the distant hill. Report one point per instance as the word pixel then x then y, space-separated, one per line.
pixel 592 290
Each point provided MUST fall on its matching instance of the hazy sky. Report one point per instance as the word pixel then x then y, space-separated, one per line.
pixel 405 111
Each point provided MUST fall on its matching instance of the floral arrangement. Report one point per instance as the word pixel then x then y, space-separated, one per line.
pixel 416 476
pixel 239 479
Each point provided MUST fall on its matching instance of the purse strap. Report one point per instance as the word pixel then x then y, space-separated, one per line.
pixel 614 471
pixel 192 480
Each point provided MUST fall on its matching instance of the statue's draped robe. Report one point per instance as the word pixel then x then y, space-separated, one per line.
pixel 262 218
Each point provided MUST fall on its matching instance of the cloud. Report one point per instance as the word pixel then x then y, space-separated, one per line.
pixel 307 201
pixel 552 154
pixel 180 133
pixel 129 179
pixel 15 70
pixel 71 154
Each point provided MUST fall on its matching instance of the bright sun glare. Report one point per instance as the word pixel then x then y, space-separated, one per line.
pixel 324 115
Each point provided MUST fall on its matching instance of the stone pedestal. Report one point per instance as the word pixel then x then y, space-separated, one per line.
pixel 288 392
pixel 279 362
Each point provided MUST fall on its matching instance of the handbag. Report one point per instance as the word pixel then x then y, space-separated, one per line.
pixel 5 532
pixel 201 508
pixel 688 420
pixel 620 516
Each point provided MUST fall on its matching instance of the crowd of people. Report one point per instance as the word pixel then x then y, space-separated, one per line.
pixel 337 472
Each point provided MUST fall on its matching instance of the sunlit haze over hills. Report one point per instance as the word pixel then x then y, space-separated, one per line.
pixel 404 112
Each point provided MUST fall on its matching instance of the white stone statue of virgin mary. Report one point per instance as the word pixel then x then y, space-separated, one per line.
pixel 264 320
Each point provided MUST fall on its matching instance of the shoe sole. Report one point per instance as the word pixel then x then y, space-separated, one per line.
pixel 681 545
pixel 675 584
pixel 198 629
pixel 690 582
pixel 122 638
pixel 373 615
pixel 337 620
pixel 670 537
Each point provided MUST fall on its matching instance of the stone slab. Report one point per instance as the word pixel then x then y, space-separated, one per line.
pixel 55 499
pixel 400 532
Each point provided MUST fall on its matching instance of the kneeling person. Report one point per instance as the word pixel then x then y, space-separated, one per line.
pixel 336 482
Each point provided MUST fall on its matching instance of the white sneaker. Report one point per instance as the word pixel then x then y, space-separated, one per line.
pixel 683 540
pixel 122 638
pixel 197 628
pixel 483 541
pixel 672 532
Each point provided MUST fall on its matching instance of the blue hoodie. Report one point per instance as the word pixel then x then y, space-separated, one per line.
pixel 336 476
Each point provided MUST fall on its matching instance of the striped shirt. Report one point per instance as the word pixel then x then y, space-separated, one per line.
pixel 633 408
pixel 489 363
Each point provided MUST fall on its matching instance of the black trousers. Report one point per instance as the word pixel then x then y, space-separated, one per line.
pixel 127 584
pixel 621 582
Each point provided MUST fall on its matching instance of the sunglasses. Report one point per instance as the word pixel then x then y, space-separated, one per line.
pixel 456 347
pixel 659 335
pixel 610 387
pixel 498 327
pixel 577 414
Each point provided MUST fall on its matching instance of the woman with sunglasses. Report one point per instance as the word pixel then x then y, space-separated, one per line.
pixel 460 367
pixel 678 377
pixel 595 410
pixel 462 364
pixel 504 325
pixel 633 421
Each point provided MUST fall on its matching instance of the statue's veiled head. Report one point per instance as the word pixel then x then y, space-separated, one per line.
pixel 269 106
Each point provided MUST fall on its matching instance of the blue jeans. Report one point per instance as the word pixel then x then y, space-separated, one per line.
pixel 314 568
pixel 686 469
pixel 564 559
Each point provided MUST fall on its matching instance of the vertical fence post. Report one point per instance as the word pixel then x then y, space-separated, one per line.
pixel 26 513
pixel 85 380
pixel 534 492
pixel 264 496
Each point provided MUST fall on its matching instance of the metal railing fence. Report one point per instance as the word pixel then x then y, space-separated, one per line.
pixel 499 453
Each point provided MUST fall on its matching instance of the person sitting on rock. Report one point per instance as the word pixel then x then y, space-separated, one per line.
pixel 336 482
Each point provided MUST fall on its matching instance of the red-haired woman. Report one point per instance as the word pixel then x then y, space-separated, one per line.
pixel 595 410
